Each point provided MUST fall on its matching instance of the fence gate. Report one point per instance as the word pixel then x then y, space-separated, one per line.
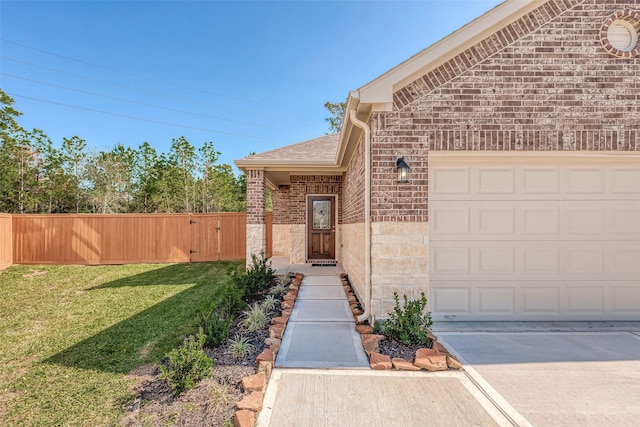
pixel 204 233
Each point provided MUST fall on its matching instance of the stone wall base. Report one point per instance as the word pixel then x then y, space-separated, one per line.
pixel 256 240
pixel 399 263
pixel 281 240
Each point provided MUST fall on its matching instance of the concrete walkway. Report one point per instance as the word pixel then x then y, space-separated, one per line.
pixel 321 330
pixel 342 390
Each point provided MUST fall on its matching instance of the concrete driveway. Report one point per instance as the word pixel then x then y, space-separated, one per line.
pixel 555 376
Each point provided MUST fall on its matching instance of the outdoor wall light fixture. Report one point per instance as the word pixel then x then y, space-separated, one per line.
pixel 403 170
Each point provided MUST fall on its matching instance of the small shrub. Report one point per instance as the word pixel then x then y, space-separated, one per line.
pixel 231 298
pixel 257 278
pixel 187 365
pixel 410 323
pixel 269 303
pixel 214 322
pixel 240 347
pixel 255 318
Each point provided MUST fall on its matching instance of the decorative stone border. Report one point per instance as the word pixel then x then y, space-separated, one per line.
pixel 631 17
pixel 433 359
pixel 254 386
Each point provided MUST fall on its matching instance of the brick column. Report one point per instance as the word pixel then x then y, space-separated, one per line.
pixel 256 213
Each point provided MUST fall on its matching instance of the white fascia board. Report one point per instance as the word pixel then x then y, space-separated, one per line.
pixel 380 91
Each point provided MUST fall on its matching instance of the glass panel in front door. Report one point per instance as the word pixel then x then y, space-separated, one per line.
pixel 321 214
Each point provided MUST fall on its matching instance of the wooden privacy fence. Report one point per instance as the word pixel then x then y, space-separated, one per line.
pixel 127 238
pixel 6 255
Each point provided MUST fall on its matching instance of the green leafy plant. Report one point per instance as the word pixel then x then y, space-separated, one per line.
pixel 283 280
pixel 278 290
pixel 214 322
pixel 258 277
pixel 241 347
pixel 187 364
pixel 255 318
pixel 231 298
pixel 269 303
pixel 218 395
pixel 410 323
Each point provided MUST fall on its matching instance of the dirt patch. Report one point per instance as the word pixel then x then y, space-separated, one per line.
pixel 393 348
pixel 34 273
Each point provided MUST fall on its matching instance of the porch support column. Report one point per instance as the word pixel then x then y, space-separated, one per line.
pixel 256 213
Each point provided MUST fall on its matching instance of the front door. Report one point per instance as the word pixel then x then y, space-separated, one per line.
pixel 321 229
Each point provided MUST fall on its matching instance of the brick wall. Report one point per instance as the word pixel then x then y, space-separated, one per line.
pixel 281 209
pixel 256 196
pixel 353 189
pixel 301 185
pixel 543 83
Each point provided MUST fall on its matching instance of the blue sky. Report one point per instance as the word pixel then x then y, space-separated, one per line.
pixel 247 75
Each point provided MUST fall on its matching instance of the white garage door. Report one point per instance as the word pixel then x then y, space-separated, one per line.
pixel 531 237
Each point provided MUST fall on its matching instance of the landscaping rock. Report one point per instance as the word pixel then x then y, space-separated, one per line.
pixel 274 344
pixel 356 311
pixel 431 360
pixel 265 367
pixel 280 320
pixel 266 355
pixel 254 382
pixel 244 418
pixel 453 363
pixel 403 364
pixel 286 305
pixel 286 312
pixel 431 336
pixel 252 402
pixel 276 331
pixel 291 296
pixel 371 342
pixel 351 298
pixel 364 329
pixel 440 347
pixel 380 362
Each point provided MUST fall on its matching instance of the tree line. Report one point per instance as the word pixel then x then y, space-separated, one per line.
pixel 37 177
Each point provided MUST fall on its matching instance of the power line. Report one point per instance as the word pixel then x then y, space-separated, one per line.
pixel 138 103
pixel 80 76
pixel 142 118
pixel 137 75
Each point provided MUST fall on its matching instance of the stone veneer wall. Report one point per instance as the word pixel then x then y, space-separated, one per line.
pixel 281 240
pixel 543 83
pixel 399 252
pixel 352 255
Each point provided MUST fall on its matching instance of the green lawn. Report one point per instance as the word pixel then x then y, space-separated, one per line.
pixel 69 335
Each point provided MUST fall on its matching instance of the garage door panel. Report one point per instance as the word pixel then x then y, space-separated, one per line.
pixel 497 301
pixel 625 180
pixel 539 238
pixel 584 180
pixel 535 220
pixel 452 300
pixel 540 181
pixel 450 181
pixel 585 300
pixel 491 180
pixel 625 299
pixel 625 220
pixel 453 220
